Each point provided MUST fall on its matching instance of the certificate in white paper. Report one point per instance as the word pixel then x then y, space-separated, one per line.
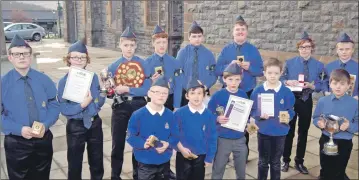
pixel 78 84
pixel 267 104
pixel 237 110
pixel 295 88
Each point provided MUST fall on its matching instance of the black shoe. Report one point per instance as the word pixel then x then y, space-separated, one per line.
pixel 301 168
pixel 285 167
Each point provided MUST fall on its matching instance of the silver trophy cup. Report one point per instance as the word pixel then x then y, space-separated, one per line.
pixel 332 126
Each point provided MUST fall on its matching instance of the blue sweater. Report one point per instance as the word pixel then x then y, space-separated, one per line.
pixel 220 98
pixel 345 106
pixel 197 132
pixel 141 125
pixel 283 101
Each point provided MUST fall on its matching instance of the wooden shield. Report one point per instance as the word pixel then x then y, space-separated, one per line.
pixel 130 74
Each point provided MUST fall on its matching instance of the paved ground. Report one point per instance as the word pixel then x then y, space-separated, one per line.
pixel 50 61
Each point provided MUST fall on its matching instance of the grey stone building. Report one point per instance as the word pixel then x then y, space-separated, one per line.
pixel 274 26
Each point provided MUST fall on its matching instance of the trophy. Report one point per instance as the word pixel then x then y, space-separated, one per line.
pixel 284 117
pixel 251 127
pixel 154 142
pixel 38 128
pixel 332 126
pixel 159 70
pixel 220 111
pixel 107 77
pixel 240 58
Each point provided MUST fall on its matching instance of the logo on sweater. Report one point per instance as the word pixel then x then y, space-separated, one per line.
pixel 96 100
pixel 204 127
pixel 282 101
pixel 43 104
pixel 167 126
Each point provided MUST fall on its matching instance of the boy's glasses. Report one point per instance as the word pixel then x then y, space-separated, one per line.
pixel 17 55
pixel 80 59
pixel 159 93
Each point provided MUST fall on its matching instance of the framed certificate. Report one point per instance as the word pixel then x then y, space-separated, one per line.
pixel 237 110
pixel 78 84
pixel 267 104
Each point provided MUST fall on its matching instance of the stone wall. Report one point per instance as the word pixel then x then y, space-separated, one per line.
pixel 275 25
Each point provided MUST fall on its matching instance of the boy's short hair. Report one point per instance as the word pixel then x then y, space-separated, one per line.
pixel 130 39
pixel 241 23
pixel 196 30
pixel 204 91
pixel 273 62
pixel 228 74
pixel 339 75
pixel 353 45
pixel 159 35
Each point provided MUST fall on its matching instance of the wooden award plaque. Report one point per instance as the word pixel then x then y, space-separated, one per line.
pixel 130 74
pixel 38 128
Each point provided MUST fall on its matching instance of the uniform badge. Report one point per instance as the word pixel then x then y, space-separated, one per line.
pixel 176 74
pixel 282 101
pixel 207 67
pixel 43 104
pixel 167 126
pixel 96 100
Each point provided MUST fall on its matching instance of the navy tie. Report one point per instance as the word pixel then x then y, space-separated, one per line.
pixel 239 50
pixel 163 65
pixel 306 92
pixel 30 100
pixel 342 65
pixel 195 63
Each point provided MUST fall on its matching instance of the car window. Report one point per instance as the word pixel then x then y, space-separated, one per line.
pixel 28 26
pixel 15 27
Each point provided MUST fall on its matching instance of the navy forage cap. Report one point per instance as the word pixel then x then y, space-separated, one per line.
pixel 194 83
pixel 345 38
pixel 240 18
pixel 234 69
pixel 128 33
pixel 78 46
pixel 158 30
pixel 18 41
pixel 305 36
pixel 161 81
pixel 194 26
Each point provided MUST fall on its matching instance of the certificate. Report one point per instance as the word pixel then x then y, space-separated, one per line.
pixel 295 88
pixel 267 104
pixel 78 84
pixel 237 110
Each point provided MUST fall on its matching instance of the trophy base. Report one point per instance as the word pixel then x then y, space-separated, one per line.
pixel 330 150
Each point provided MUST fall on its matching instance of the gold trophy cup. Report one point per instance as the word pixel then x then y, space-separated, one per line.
pixel 332 126
pixel 220 111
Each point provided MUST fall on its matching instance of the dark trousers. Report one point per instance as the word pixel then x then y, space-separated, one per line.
pixel 303 110
pixel 333 167
pixel 190 169
pixel 270 150
pixel 121 113
pixel 153 172
pixel 77 136
pixel 28 159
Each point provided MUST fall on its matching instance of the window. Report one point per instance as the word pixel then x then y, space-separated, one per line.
pixel 111 10
pixel 28 26
pixel 151 12
pixel 15 27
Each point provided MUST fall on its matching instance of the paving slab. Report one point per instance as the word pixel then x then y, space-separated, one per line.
pixel 57 174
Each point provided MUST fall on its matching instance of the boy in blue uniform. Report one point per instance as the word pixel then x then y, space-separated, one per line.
pixel 196 61
pixel 272 129
pixel 197 134
pixel 345 50
pixel 154 121
pixel 341 105
pixel 131 99
pixel 252 63
pixel 83 123
pixel 162 63
pixel 28 96
pixel 228 140
pixel 311 69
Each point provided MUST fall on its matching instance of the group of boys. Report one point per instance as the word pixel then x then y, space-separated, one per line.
pixel 167 113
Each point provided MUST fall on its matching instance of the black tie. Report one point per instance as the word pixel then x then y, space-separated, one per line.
pixel 30 100
pixel 342 65
pixel 308 91
pixel 195 63
pixel 306 71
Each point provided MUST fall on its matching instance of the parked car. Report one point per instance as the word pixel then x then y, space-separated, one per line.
pixel 27 31
pixel 6 23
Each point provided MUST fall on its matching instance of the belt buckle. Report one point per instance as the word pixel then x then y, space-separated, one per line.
pixel 92 119
pixel 129 98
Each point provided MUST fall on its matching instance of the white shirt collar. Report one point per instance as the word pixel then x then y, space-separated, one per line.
pixel 153 112
pixel 345 60
pixel 194 110
pixel 265 86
